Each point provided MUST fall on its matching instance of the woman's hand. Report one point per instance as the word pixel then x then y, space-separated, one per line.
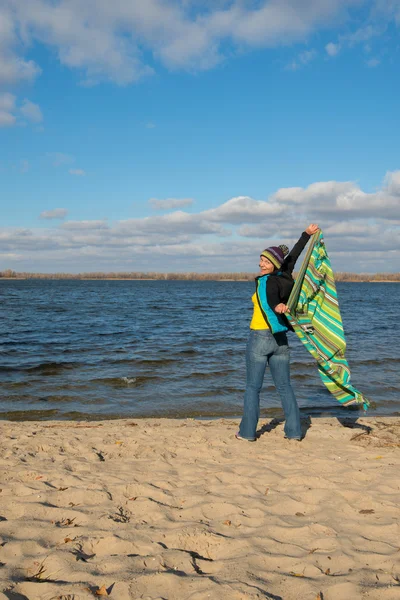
pixel 312 228
pixel 281 308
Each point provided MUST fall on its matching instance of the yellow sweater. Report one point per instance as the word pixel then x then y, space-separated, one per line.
pixel 258 321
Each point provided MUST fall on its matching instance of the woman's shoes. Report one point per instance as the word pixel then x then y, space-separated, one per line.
pixel 239 437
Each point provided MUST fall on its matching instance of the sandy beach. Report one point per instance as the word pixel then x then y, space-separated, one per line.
pixel 180 509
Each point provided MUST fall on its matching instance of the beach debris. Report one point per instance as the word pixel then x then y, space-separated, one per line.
pixel 62 489
pixel 293 574
pixel 327 571
pixel 266 491
pixel 366 511
pixel 65 597
pixel 102 591
pixel 66 523
pixel 39 572
pixel 122 515
pixel 396 578
pixel 319 596
pixel 299 514
pixel 380 436
pixel 80 554
pixel 227 522
pixel 99 454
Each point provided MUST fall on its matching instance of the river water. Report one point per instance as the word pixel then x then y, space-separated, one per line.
pixel 111 349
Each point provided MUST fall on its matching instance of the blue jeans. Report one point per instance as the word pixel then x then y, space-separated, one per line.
pixel 264 348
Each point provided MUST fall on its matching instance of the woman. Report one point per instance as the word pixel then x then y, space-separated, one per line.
pixel 267 342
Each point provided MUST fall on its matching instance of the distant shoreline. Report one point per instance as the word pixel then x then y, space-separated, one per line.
pixel 10 274
pixel 339 277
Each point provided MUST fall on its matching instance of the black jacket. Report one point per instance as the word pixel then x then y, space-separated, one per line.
pixel 280 282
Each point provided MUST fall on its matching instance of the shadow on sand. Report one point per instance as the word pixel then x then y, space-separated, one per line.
pixel 350 422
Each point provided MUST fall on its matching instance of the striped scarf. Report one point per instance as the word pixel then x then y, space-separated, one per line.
pixel 315 316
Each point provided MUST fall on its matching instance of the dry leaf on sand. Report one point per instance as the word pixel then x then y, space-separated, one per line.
pixel 101 591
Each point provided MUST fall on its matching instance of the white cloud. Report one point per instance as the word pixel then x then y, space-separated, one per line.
pixel 108 41
pixel 84 225
pixel 332 49
pixel 31 111
pixel 7 109
pixel 362 232
pixel 334 199
pixel 170 203
pixel 243 209
pixel 77 172
pixel 376 28
pixel 303 59
pixel 364 34
pixel 56 213
pixel 362 229
pixel 59 158
pixel 373 62
pixel 10 111
pixel 176 223
pixel 7 119
pixel 14 70
pixel 392 183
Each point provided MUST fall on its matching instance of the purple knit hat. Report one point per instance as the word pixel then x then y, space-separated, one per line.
pixel 276 254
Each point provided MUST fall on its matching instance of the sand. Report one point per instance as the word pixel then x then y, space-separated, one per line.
pixel 180 509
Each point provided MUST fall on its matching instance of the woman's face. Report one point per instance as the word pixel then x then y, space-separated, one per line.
pixel 266 266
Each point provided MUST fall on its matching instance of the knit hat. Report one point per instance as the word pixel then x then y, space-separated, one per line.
pixel 284 249
pixel 276 254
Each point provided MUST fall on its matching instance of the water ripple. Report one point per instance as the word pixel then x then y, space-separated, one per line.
pixel 112 349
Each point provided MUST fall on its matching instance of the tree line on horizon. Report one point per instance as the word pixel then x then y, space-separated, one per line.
pixel 339 276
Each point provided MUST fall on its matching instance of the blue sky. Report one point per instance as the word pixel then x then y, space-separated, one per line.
pixel 188 135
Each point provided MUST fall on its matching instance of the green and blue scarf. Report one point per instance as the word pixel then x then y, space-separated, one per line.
pixel 315 317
